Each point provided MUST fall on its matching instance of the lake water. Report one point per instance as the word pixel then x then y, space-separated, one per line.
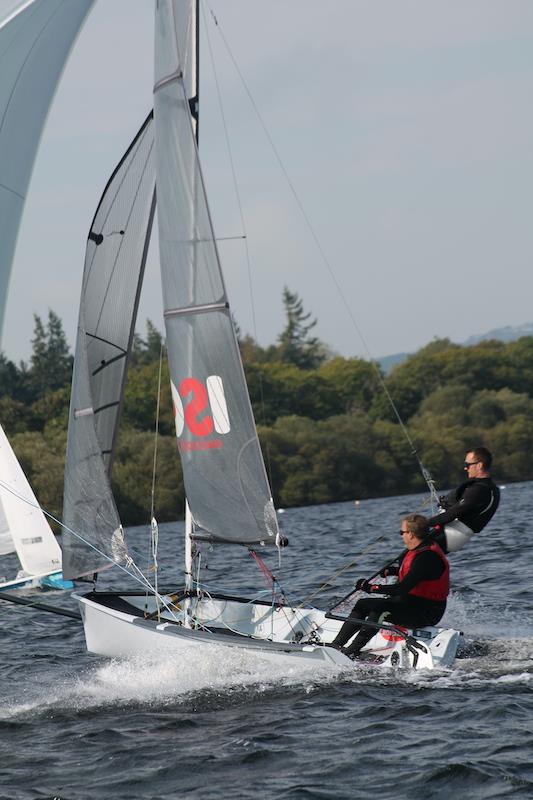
pixel 74 726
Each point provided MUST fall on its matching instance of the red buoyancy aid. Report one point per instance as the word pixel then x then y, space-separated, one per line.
pixel 436 589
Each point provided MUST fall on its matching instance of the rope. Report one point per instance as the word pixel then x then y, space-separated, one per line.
pixel 156 432
pixel 251 635
pixel 342 295
pixel 335 575
pixel 282 602
pixel 154 541
pixel 270 577
pixel 154 529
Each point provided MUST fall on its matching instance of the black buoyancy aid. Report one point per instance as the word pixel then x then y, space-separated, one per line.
pixel 476 520
pixel 436 589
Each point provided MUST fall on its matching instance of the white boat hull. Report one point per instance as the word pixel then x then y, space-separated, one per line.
pixel 118 626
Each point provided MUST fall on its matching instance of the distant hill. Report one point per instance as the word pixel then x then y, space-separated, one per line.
pixel 509 333
pixel 388 362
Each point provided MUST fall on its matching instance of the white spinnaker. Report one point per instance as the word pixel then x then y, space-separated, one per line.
pixel 35 40
pixel 36 545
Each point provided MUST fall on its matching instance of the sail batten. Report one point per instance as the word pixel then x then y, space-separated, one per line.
pixel 174 312
pixel 224 473
pixel 116 253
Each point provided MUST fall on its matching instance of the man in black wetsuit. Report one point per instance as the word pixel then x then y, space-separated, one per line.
pixel 467 509
pixel 417 599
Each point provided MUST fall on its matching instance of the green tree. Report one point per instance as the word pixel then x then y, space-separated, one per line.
pixel 132 478
pixel 146 351
pixel 15 417
pixel 320 462
pixel 51 363
pixel 43 460
pixel 295 344
pixel 280 390
pixel 140 399
pixel 12 379
pixel 354 381
pixel 51 412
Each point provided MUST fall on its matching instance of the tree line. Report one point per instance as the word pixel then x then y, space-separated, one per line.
pixel 325 424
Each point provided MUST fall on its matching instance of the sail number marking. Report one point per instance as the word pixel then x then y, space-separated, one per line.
pixel 200 409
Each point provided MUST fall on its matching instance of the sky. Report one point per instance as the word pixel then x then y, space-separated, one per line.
pixel 404 131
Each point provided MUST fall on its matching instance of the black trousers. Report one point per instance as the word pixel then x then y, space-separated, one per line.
pixel 412 613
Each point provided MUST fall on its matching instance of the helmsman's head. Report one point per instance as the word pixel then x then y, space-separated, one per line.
pixel 414 530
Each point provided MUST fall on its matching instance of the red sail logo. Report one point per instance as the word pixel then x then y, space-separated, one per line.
pixel 198 422
pixel 200 410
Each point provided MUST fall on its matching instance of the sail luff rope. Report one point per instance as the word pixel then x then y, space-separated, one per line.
pixel 154 528
pixel 156 432
pixel 425 472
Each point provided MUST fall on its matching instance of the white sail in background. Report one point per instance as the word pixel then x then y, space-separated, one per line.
pixel 35 40
pixel 36 545
pixel 115 257
pixel 7 545
pixel 224 474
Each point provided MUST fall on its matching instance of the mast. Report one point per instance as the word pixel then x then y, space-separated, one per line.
pixel 194 100
pixel 195 112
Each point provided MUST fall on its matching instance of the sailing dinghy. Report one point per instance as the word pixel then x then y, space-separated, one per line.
pixel 24 529
pixel 35 39
pixel 229 500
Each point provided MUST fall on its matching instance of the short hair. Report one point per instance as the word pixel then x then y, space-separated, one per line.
pixel 483 455
pixel 417 525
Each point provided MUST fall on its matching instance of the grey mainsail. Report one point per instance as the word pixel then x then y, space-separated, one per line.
pixel 114 266
pixel 35 40
pixel 224 474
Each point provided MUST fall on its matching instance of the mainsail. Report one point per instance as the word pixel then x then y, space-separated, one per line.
pixel 35 40
pixel 30 533
pixel 224 474
pixel 115 257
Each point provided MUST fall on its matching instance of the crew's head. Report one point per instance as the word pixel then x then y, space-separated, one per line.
pixel 478 462
pixel 414 530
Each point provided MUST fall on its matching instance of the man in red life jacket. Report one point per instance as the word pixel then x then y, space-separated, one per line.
pixel 417 599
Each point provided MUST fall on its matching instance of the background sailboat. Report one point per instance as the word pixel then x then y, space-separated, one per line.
pixel 36 37
pixel 35 41
pixel 24 529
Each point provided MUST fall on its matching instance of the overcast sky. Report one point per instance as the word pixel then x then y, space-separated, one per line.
pixel 405 126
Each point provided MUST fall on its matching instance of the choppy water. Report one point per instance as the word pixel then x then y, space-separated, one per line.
pixel 73 726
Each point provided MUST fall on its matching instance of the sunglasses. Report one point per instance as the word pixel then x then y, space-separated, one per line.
pixel 468 464
pixel 402 532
